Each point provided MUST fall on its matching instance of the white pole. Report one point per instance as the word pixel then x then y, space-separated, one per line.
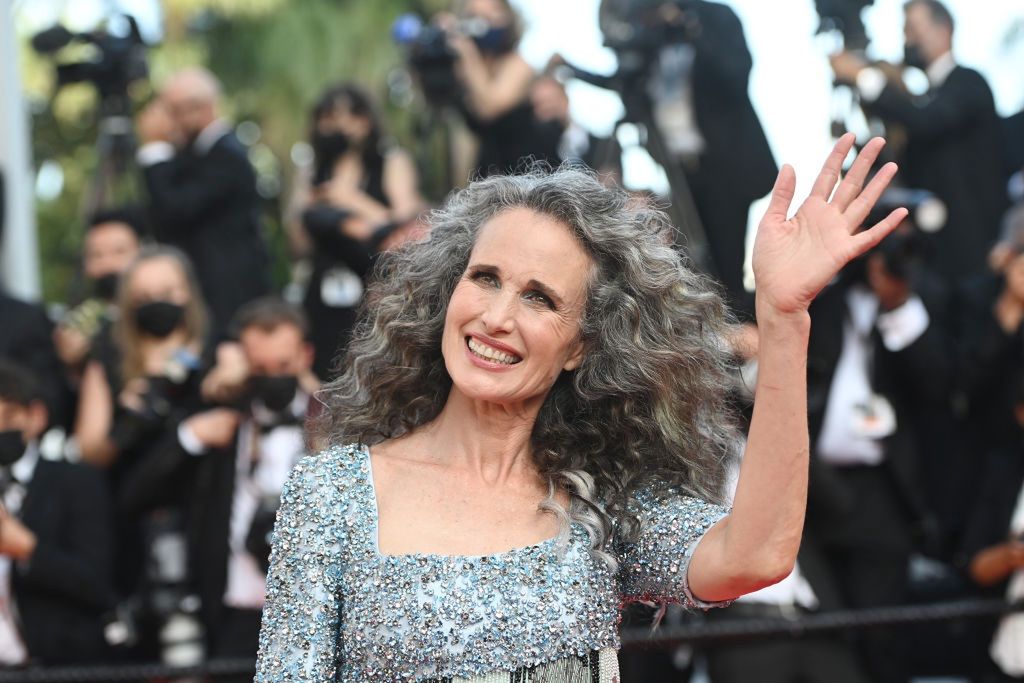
pixel 19 250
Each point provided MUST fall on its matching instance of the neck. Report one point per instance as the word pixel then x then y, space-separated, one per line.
pixel 489 439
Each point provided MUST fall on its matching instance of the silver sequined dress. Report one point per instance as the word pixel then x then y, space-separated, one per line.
pixel 339 610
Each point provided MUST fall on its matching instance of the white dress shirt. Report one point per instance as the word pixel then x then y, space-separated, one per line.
pixel 262 464
pixel 840 441
pixel 12 647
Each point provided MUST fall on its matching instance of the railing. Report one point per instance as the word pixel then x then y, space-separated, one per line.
pixel 694 633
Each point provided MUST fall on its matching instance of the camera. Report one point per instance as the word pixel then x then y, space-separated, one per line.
pixel 844 16
pixel 120 61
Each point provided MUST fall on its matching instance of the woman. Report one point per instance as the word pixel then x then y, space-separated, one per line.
pixel 496 86
pixel 531 430
pixel 135 390
pixel 360 195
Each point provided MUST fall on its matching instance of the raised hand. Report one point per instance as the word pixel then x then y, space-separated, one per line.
pixel 794 258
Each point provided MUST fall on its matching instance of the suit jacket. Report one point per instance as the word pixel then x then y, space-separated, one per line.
pixel 210 478
pixel 990 520
pixel 26 338
pixel 916 382
pixel 65 589
pixel 954 149
pixel 207 205
pixel 736 153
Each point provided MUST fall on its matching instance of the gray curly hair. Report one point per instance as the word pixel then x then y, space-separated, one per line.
pixel 648 406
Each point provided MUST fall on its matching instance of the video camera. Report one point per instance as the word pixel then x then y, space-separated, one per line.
pixel 120 60
pixel 844 16
pixel 432 58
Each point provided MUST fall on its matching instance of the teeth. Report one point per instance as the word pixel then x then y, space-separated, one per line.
pixel 485 351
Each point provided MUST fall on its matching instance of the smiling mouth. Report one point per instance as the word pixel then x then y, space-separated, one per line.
pixel 485 352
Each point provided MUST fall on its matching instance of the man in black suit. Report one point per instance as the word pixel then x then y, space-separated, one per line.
pixel 202 192
pixel 878 374
pixel 236 460
pixel 698 90
pixel 26 338
pixel 953 133
pixel 55 540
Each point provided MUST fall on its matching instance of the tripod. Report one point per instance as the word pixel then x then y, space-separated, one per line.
pixel 629 82
pixel 115 153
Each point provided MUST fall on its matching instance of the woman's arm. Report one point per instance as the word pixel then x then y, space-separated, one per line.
pixel 756 545
pixel 402 185
pixel 95 417
pixel 488 95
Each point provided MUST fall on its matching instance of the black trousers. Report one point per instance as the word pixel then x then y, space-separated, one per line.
pixel 237 638
pixel 869 555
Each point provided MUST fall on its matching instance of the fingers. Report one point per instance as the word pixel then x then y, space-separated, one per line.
pixel 861 206
pixel 854 180
pixel 833 167
pixel 867 239
pixel 782 193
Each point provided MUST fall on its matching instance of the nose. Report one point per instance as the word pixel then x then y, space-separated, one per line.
pixel 499 313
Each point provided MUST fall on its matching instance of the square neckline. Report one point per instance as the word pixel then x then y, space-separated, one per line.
pixel 543 546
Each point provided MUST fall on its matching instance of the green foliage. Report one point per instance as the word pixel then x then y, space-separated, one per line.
pixel 273 64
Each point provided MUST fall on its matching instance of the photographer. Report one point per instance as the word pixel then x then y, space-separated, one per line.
pixel 132 396
pixel 55 540
pixel 357 198
pixel 496 81
pixel 697 84
pixel 112 241
pixel 954 147
pixel 202 192
pixel 878 375
pixel 238 457
pixel 994 542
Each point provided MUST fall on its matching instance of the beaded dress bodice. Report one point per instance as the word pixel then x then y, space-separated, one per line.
pixel 337 609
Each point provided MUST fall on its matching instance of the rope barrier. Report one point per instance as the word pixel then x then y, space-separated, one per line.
pixel 697 632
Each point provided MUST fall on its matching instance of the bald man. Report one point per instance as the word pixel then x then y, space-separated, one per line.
pixel 202 192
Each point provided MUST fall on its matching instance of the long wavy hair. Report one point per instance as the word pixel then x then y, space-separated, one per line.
pixel 648 407
pixel 125 331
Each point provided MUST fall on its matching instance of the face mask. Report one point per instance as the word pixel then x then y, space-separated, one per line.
pixel 105 286
pixel 327 149
pixel 159 318
pixel 12 447
pixel 495 40
pixel 275 391
pixel 913 57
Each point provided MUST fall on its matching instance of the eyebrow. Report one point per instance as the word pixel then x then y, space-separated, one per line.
pixel 531 284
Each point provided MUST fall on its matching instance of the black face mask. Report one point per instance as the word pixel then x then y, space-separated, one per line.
pixel 327 149
pixel 159 318
pixel 276 392
pixel 913 57
pixel 496 40
pixel 105 286
pixel 12 447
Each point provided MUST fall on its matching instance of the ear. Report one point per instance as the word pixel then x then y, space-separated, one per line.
pixel 575 358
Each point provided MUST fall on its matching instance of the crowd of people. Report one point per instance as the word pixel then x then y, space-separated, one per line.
pixel 183 381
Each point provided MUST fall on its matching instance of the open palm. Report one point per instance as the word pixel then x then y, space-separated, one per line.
pixel 794 258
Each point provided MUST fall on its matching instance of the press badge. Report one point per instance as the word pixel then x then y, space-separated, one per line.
pixel 341 288
pixel 874 418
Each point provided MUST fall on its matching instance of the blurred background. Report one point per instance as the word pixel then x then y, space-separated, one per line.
pixel 194 195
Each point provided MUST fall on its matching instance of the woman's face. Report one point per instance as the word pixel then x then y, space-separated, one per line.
pixel 513 321
pixel 341 120
pixel 159 279
pixel 492 11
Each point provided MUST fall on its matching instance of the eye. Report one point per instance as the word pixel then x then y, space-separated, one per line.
pixel 540 298
pixel 482 276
